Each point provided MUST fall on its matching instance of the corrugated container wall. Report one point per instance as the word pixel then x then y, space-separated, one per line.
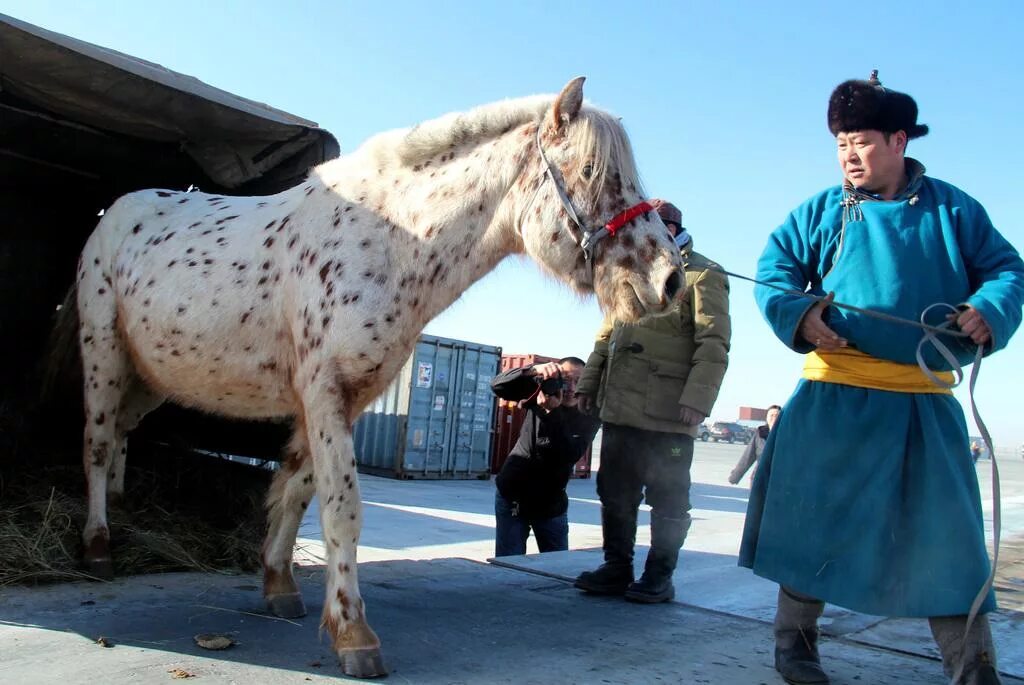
pixel 753 414
pixel 508 420
pixel 436 417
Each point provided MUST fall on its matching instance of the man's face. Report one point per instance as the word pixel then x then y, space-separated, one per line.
pixel 571 375
pixel 869 161
pixel 772 417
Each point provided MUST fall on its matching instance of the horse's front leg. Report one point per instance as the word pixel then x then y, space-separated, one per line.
pixel 334 465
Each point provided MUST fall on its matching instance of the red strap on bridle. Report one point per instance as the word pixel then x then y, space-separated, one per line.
pixel 623 218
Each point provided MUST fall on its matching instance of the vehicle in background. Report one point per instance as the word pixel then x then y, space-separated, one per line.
pixel 703 432
pixel 724 431
pixel 978 448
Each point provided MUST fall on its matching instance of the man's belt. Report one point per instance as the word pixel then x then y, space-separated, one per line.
pixel 853 367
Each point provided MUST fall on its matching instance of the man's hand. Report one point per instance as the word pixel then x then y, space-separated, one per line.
pixel 585 403
pixel 690 416
pixel 971 322
pixel 814 330
pixel 545 371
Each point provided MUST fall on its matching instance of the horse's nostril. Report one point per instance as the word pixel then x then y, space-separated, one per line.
pixel 672 285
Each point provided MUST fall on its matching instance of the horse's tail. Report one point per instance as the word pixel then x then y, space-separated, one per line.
pixel 62 355
pixel 62 363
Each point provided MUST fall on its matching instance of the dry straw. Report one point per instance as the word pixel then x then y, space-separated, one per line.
pixel 41 516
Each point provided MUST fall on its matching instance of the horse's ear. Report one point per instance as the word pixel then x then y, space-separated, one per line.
pixel 568 103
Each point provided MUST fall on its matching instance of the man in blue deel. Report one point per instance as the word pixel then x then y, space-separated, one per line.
pixel 864 497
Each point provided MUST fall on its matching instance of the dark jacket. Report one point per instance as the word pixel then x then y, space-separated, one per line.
pixel 750 455
pixel 538 468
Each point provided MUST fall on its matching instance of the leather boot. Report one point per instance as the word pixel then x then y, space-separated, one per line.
pixel 616 573
pixel 667 537
pixel 796 639
pixel 977 663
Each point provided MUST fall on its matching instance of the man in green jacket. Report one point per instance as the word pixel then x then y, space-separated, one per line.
pixel 653 383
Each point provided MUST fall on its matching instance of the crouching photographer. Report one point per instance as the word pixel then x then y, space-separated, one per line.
pixel 555 434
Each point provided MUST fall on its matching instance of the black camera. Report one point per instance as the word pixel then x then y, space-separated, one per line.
pixel 553 385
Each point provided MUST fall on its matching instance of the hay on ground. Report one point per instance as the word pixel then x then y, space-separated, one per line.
pixel 181 511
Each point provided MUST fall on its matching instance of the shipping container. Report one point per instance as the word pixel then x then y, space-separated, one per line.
pixel 753 414
pixel 508 420
pixel 435 419
pixel 514 361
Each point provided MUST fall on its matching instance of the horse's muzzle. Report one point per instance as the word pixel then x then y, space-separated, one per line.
pixel 673 284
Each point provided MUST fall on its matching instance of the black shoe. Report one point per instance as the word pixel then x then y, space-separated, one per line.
pixel 985 675
pixel 800 664
pixel 655 585
pixel 651 589
pixel 608 579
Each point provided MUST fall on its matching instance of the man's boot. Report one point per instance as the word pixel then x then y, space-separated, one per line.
pixel 616 573
pixel 975 665
pixel 796 638
pixel 667 537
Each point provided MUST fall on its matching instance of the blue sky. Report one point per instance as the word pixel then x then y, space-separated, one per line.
pixel 724 102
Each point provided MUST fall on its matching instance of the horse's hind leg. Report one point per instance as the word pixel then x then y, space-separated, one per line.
pixel 106 369
pixel 289 496
pixel 137 401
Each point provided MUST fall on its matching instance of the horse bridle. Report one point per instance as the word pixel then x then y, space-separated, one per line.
pixel 587 238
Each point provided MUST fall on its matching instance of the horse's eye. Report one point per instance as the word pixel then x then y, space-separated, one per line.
pixel 588 170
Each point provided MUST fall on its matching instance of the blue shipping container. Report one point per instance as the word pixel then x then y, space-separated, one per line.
pixel 436 417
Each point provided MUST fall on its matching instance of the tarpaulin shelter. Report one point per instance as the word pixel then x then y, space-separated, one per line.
pixel 80 125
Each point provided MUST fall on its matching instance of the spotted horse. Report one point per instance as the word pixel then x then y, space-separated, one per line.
pixel 307 303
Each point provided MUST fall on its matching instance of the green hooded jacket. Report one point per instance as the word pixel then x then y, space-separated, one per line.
pixel 642 374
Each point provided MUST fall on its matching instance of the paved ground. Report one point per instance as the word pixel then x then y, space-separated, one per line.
pixel 445 615
pixel 448 621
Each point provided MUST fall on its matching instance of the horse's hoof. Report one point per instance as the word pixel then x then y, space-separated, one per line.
pixel 100 568
pixel 287 606
pixel 362 663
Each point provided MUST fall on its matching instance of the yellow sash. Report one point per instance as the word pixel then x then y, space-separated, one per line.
pixel 853 367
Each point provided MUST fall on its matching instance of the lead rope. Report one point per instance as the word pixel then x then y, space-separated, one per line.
pixel 930 336
pixel 996 494
pixel 997 524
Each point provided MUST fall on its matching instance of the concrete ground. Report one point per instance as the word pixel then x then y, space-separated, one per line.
pixel 446 615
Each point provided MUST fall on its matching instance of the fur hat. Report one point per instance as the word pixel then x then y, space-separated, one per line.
pixel 668 212
pixel 867 106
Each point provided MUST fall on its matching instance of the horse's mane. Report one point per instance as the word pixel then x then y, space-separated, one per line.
pixel 430 138
pixel 597 134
